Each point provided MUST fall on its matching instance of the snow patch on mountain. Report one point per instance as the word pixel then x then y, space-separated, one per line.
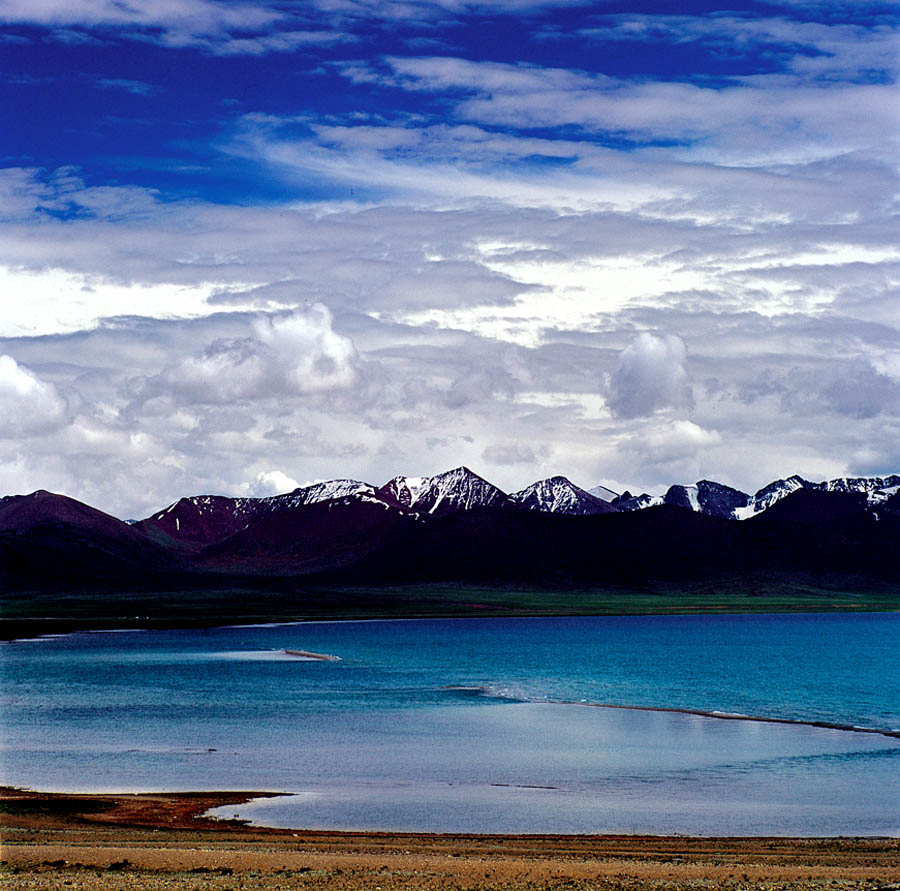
pixel 876 489
pixel 316 492
pixel 203 519
pixel 457 489
pixel 559 495
pixel 404 490
pixel 626 501
pixel 603 493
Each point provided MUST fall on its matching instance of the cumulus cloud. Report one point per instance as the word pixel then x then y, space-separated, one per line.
pixel 28 405
pixel 650 376
pixel 674 442
pixel 591 279
pixel 289 354
pixel 272 482
pixel 482 277
pixel 312 354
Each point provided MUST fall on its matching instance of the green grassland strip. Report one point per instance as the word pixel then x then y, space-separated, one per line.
pixel 23 614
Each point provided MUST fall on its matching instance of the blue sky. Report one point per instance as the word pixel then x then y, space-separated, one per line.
pixel 247 245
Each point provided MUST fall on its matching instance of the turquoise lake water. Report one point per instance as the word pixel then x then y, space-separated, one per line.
pixel 483 725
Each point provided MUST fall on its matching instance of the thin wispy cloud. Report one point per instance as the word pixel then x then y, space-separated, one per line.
pixel 137 87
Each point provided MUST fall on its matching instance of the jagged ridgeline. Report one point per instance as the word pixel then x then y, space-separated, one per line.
pixel 457 527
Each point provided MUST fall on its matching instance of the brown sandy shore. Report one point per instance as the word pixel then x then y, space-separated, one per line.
pixel 156 841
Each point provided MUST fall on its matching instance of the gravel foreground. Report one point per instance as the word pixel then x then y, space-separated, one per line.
pixel 161 841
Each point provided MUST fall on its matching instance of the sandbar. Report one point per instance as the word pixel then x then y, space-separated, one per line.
pixel 306 654
pixel 163 840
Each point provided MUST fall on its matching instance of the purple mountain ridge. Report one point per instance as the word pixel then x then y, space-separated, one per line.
pixel 458 527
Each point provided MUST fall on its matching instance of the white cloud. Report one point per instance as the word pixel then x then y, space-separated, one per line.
pixel 752 121
pixel 290 354
pixel 650 376
pixel 180 22
pixel 54 301
pixel 482 281
pixel 311 354
pixel 203 13
pixel 282 42
pixel 28 405
pixel 228 28
pixel 673 442
pixel 438 297
pixel 807 48
pixel 271 482
pixel 888 364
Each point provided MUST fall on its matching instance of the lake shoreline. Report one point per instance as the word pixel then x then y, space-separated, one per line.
pixel 146 840
pixel 31 614
pixel 14 629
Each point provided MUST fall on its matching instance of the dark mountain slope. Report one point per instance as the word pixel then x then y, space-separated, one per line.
pixel 49 540
pixel 708 497
pixel 661 544
pixel 200 520
pixel 825 532
pixel 816 507
pixel 529 547
pixel 205 519
pixel 314 538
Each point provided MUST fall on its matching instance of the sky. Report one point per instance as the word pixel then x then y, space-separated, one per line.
pixel 245 246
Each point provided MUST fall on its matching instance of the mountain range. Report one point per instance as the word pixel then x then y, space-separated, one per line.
pixel 457 527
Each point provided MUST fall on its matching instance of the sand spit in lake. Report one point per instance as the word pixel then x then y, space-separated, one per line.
pixel 137 842
pixel 306 654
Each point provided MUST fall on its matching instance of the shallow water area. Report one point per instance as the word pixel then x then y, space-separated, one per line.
pixel 531 768
pixel 460 725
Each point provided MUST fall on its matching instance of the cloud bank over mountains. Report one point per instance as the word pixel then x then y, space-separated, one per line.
pixel 253 245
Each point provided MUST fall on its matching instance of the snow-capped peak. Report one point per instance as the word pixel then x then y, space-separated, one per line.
pixel 710 498
pixel 627 502
pixel 559 495
pixel 202 519
pixel 876 488
pixel 457 489
pixel 404 490
pixel 775 491
pixel 324 490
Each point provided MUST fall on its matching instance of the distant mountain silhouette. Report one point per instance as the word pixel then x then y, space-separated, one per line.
pixel 51 541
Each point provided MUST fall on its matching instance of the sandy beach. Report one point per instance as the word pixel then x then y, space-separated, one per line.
pixel 155 841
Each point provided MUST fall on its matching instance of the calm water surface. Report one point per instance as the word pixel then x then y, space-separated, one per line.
pixel 456 725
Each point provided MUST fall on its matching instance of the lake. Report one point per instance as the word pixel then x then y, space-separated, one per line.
pixel 479 725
